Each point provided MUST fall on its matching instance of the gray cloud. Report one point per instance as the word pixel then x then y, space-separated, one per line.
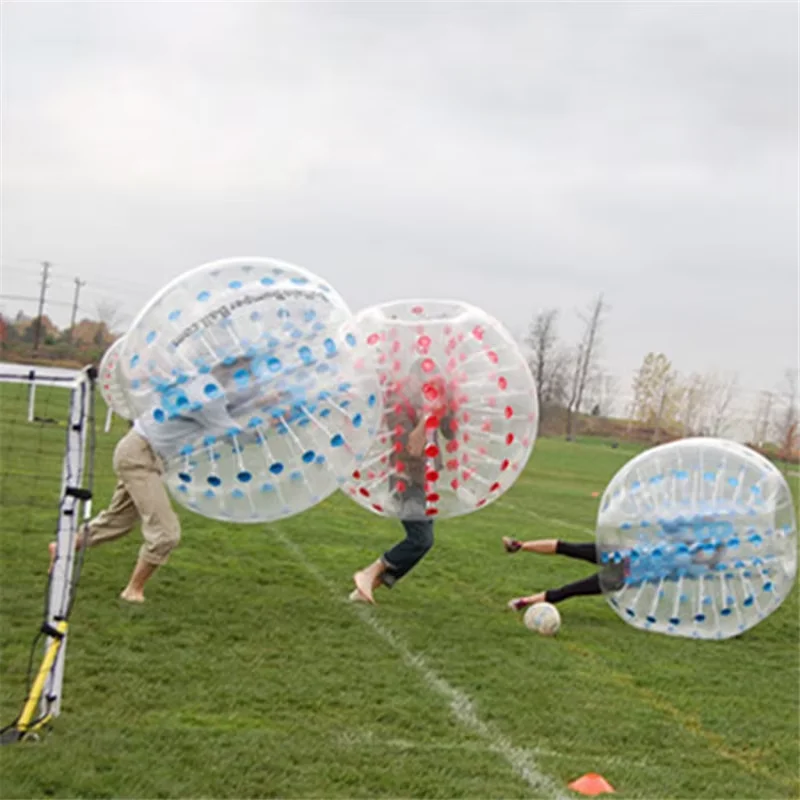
pixel 516 156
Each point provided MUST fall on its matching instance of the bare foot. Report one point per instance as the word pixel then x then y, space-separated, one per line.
pixel 363 582
pixel 520 603
pixel 52 549
pixel 132 596
pixel 356 597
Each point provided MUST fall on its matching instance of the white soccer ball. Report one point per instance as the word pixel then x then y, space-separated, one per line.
pixel 543 618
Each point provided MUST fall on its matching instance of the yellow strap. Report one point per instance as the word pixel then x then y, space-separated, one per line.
pixel 29 709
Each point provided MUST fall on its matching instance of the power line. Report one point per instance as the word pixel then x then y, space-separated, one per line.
pixel 53 276
pixel 115 285
pixel 33 299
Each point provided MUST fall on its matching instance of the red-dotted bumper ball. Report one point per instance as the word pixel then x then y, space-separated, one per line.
pixel 110 381
pixel 460 410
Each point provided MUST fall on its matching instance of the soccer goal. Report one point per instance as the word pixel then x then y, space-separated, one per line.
pixel 47 443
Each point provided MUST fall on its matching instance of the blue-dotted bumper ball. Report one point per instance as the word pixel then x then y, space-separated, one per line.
pixel 697 538
pixel 250 380
pixel 112 384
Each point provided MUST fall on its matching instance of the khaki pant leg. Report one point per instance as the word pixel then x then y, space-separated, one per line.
pixel 116 521
pixel 142 473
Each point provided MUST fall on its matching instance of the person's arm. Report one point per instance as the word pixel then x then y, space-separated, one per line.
pixel 215 418
pixel 447 427
pixel 416 439
pixel 208 413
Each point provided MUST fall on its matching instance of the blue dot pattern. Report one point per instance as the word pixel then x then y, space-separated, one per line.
pixel 252 329
pixel 688 541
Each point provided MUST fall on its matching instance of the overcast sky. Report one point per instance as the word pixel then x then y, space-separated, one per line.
pixel 516 156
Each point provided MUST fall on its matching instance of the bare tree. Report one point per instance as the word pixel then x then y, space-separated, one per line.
pixel 542 340
pixel 609 393
pixel 763 420
pixel 722 390
pixel 557 388
pixel 108 312
pixel 692 397
pixel 601 394
pixel 548 361
pixel 585 355
pixel 787 425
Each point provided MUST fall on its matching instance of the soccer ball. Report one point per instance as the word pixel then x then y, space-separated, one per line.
pixel 543 618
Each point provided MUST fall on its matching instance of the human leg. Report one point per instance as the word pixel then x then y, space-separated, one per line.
pixel 583 551
pixel 582 588
pixel 395 562
pixel 160 528
pixel 141 472
pixel 403 557
pixel 118 519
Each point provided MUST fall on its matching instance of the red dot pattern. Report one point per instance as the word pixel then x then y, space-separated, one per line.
pixel 470 390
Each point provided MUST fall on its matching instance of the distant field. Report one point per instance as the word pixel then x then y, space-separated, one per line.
pixel 247 674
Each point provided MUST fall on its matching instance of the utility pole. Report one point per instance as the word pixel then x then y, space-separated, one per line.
pixel 38 332
pixel 78 284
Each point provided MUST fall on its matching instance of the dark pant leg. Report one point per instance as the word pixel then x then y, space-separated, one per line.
pixel 587 586
pixel 584 551
pixel 404 556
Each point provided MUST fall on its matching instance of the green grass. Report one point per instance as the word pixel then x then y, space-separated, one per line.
pixel 247 675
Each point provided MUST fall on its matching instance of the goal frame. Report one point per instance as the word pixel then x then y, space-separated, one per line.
pixel 74 505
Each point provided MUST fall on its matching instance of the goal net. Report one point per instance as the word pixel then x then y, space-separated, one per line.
pixel 47 442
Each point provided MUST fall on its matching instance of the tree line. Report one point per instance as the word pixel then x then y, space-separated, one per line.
pixel 38 339
pixel 666 404
pixel 575 394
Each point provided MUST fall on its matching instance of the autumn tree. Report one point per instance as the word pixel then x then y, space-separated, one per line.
pixel 654 393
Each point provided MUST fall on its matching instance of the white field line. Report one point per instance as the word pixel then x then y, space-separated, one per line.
pixel 521 760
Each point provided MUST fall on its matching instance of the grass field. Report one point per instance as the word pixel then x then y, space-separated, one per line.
pixel 247 674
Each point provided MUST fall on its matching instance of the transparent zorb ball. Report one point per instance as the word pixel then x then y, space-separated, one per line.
pixel 460 410
pixel 248 377
pixel 697 538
